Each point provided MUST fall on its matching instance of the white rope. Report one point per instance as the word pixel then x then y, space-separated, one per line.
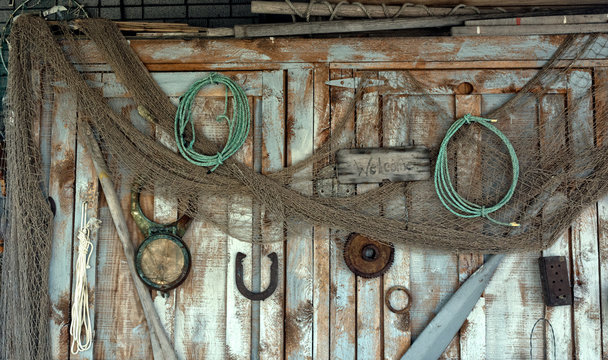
pixel 80 329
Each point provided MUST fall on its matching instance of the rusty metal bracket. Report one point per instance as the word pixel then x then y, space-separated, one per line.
pixel 274 278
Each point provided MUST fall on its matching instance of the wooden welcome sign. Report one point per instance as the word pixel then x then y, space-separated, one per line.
pixel 375 165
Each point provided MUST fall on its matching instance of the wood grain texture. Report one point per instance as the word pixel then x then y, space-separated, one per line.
pixel 342 281
pixel 321 243
pixel 586 281
pixel 468 175
pixel 552 118
pixel 397 327
pixel 368 126
pixel 121 326
pixel 261 52
pixel 61 190
pixel 200 322
pixel 482 2
pixel 238 308
pixel 273 155
pixel 86 189
pixel 515 290
pixel 601 101
pixel 213 320
pixel 497 30
pixel 165 211
pixel 434 275
pixel 543 20
pixel 351 10
pixel 299 132
pixel 469 82
pixel 375 165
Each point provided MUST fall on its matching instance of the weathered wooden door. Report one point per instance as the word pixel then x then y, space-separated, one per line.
pixel 320 309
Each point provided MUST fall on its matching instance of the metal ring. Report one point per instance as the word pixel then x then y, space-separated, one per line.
pixel 387 299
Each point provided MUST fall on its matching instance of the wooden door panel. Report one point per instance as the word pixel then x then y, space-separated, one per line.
pixel 320 309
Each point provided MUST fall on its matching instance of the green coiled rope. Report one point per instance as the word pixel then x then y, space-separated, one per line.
pixel 449 197
pixel 238 125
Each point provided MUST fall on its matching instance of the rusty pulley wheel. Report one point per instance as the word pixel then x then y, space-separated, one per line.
pixel 366 257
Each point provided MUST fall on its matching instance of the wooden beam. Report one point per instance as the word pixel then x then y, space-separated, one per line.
pixel 353 10
pixel 529 29
pixel 348 26
pixel 543 20
pixel 489 3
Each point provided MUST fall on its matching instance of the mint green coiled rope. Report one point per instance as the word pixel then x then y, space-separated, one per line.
pixel 238 126
pixel 455 203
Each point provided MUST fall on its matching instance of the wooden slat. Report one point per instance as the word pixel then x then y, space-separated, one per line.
pixel 299 247
pixel 201 306
pixel 321 244
pixel 61 190
pixel 353 10
pixel 481 81
pixel 342 287
pixel 601 101
pixel 282 50
pixel 394 65
pixel 86 189
pixel 371 25
pixel 121 326
pixel 175 84
pixel 273 152
pixel 482 2
pixel 397 328
pixel 552 121
pixel 468 175
pixel 543 20
pixel 369 291
pixel 165 211
pixel 238 308
pixel 434 275
pixel 499 30
pixel 513 298
pixel 376 165
pixel 586 281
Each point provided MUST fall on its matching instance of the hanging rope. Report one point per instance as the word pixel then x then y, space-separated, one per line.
pixel 455 203
pixel 238 125
pixel 80 329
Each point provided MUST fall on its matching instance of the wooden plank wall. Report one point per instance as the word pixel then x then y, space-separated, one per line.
pixel 320 310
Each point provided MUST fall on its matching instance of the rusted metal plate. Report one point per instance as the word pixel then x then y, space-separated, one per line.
pixel 375 165
pixel 555 280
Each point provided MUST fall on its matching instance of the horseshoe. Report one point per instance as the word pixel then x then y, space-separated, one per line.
pixel 274 278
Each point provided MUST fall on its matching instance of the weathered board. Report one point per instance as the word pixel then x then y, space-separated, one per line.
pixel 376 165
pixel 320 310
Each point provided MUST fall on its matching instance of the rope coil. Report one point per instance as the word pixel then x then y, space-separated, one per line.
pixel 80 329
pixel 449 197
pixel 238 125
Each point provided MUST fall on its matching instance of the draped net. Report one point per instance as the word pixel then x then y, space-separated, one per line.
pixel 563 169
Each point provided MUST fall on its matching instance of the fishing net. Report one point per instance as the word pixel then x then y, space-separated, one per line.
pixel 562 155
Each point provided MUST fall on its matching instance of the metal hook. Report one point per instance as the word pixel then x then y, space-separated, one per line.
pixel 274 278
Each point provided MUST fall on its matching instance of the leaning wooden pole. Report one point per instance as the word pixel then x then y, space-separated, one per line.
pixel 161 346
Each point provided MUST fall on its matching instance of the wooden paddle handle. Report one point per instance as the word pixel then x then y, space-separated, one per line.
pixel 161 346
